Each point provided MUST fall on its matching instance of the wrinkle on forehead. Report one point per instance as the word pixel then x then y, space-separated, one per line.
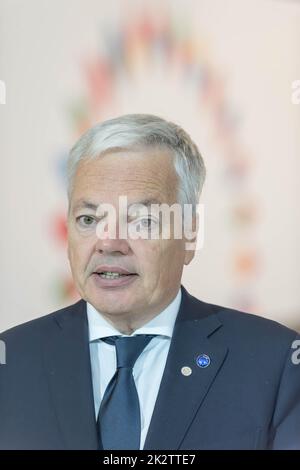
pixel 121 172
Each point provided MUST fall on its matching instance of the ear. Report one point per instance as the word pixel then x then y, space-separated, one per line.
pixel 189 255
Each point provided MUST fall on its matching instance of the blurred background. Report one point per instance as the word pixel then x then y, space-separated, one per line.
pixel 223 69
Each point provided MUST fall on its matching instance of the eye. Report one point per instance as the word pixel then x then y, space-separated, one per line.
pixel 147 223
pixel 85 220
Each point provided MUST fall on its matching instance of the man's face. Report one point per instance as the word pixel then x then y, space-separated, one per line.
pixel 157 264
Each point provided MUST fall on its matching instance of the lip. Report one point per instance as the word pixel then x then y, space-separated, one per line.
pixel 113 269
pixel 114 283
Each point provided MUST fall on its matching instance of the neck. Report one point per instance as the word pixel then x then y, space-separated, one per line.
pixel 128 323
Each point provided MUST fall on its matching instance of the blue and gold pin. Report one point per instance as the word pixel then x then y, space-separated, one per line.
pixel 203 361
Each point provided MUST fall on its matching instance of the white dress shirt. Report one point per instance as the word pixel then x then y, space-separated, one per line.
pixel 149 366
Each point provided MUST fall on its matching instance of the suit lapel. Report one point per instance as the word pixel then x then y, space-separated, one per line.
pixel 180 396
pixel 67 362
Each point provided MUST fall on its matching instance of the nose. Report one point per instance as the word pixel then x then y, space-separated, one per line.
pixel 108 243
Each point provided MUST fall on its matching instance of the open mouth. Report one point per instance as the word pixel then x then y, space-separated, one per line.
pixel 118 277
pixel 113 275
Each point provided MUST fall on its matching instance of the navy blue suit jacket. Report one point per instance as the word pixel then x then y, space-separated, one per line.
pixel 247 398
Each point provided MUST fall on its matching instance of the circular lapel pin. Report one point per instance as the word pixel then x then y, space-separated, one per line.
pixel 203 361
pixel 186 371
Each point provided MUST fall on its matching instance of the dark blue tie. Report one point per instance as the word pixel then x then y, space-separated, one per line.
pixel 119 420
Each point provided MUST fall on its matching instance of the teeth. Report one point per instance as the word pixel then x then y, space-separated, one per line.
pixel 111 275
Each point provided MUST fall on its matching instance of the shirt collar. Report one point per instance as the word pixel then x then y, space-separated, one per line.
pixel 162 324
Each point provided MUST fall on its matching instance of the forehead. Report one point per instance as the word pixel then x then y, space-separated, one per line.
pixel 137 173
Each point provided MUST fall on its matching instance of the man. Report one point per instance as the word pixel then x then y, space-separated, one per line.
pixel 138 363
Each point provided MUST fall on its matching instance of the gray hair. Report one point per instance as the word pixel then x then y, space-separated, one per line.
pixel 141 131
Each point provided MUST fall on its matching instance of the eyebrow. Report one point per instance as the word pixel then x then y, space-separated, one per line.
pixel 85 204
pixel 146 202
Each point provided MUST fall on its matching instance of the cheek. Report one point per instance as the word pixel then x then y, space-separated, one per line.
pixel 173 254
pixel 148 255
pixel 156 257
pixel 79 251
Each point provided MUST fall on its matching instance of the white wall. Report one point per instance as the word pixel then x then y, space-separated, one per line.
pixel 252 49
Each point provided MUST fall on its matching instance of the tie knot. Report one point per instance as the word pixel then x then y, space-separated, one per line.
pixel 128 348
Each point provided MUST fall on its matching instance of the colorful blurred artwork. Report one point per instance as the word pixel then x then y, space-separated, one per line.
pixel 130 48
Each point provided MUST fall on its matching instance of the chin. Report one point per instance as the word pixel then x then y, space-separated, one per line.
pixel 108 308
pixel 112 302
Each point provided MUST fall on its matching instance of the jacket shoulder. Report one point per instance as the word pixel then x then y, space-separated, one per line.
pixel 244 327
pixel 232 318
pixel 41 324
pixel 253 330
